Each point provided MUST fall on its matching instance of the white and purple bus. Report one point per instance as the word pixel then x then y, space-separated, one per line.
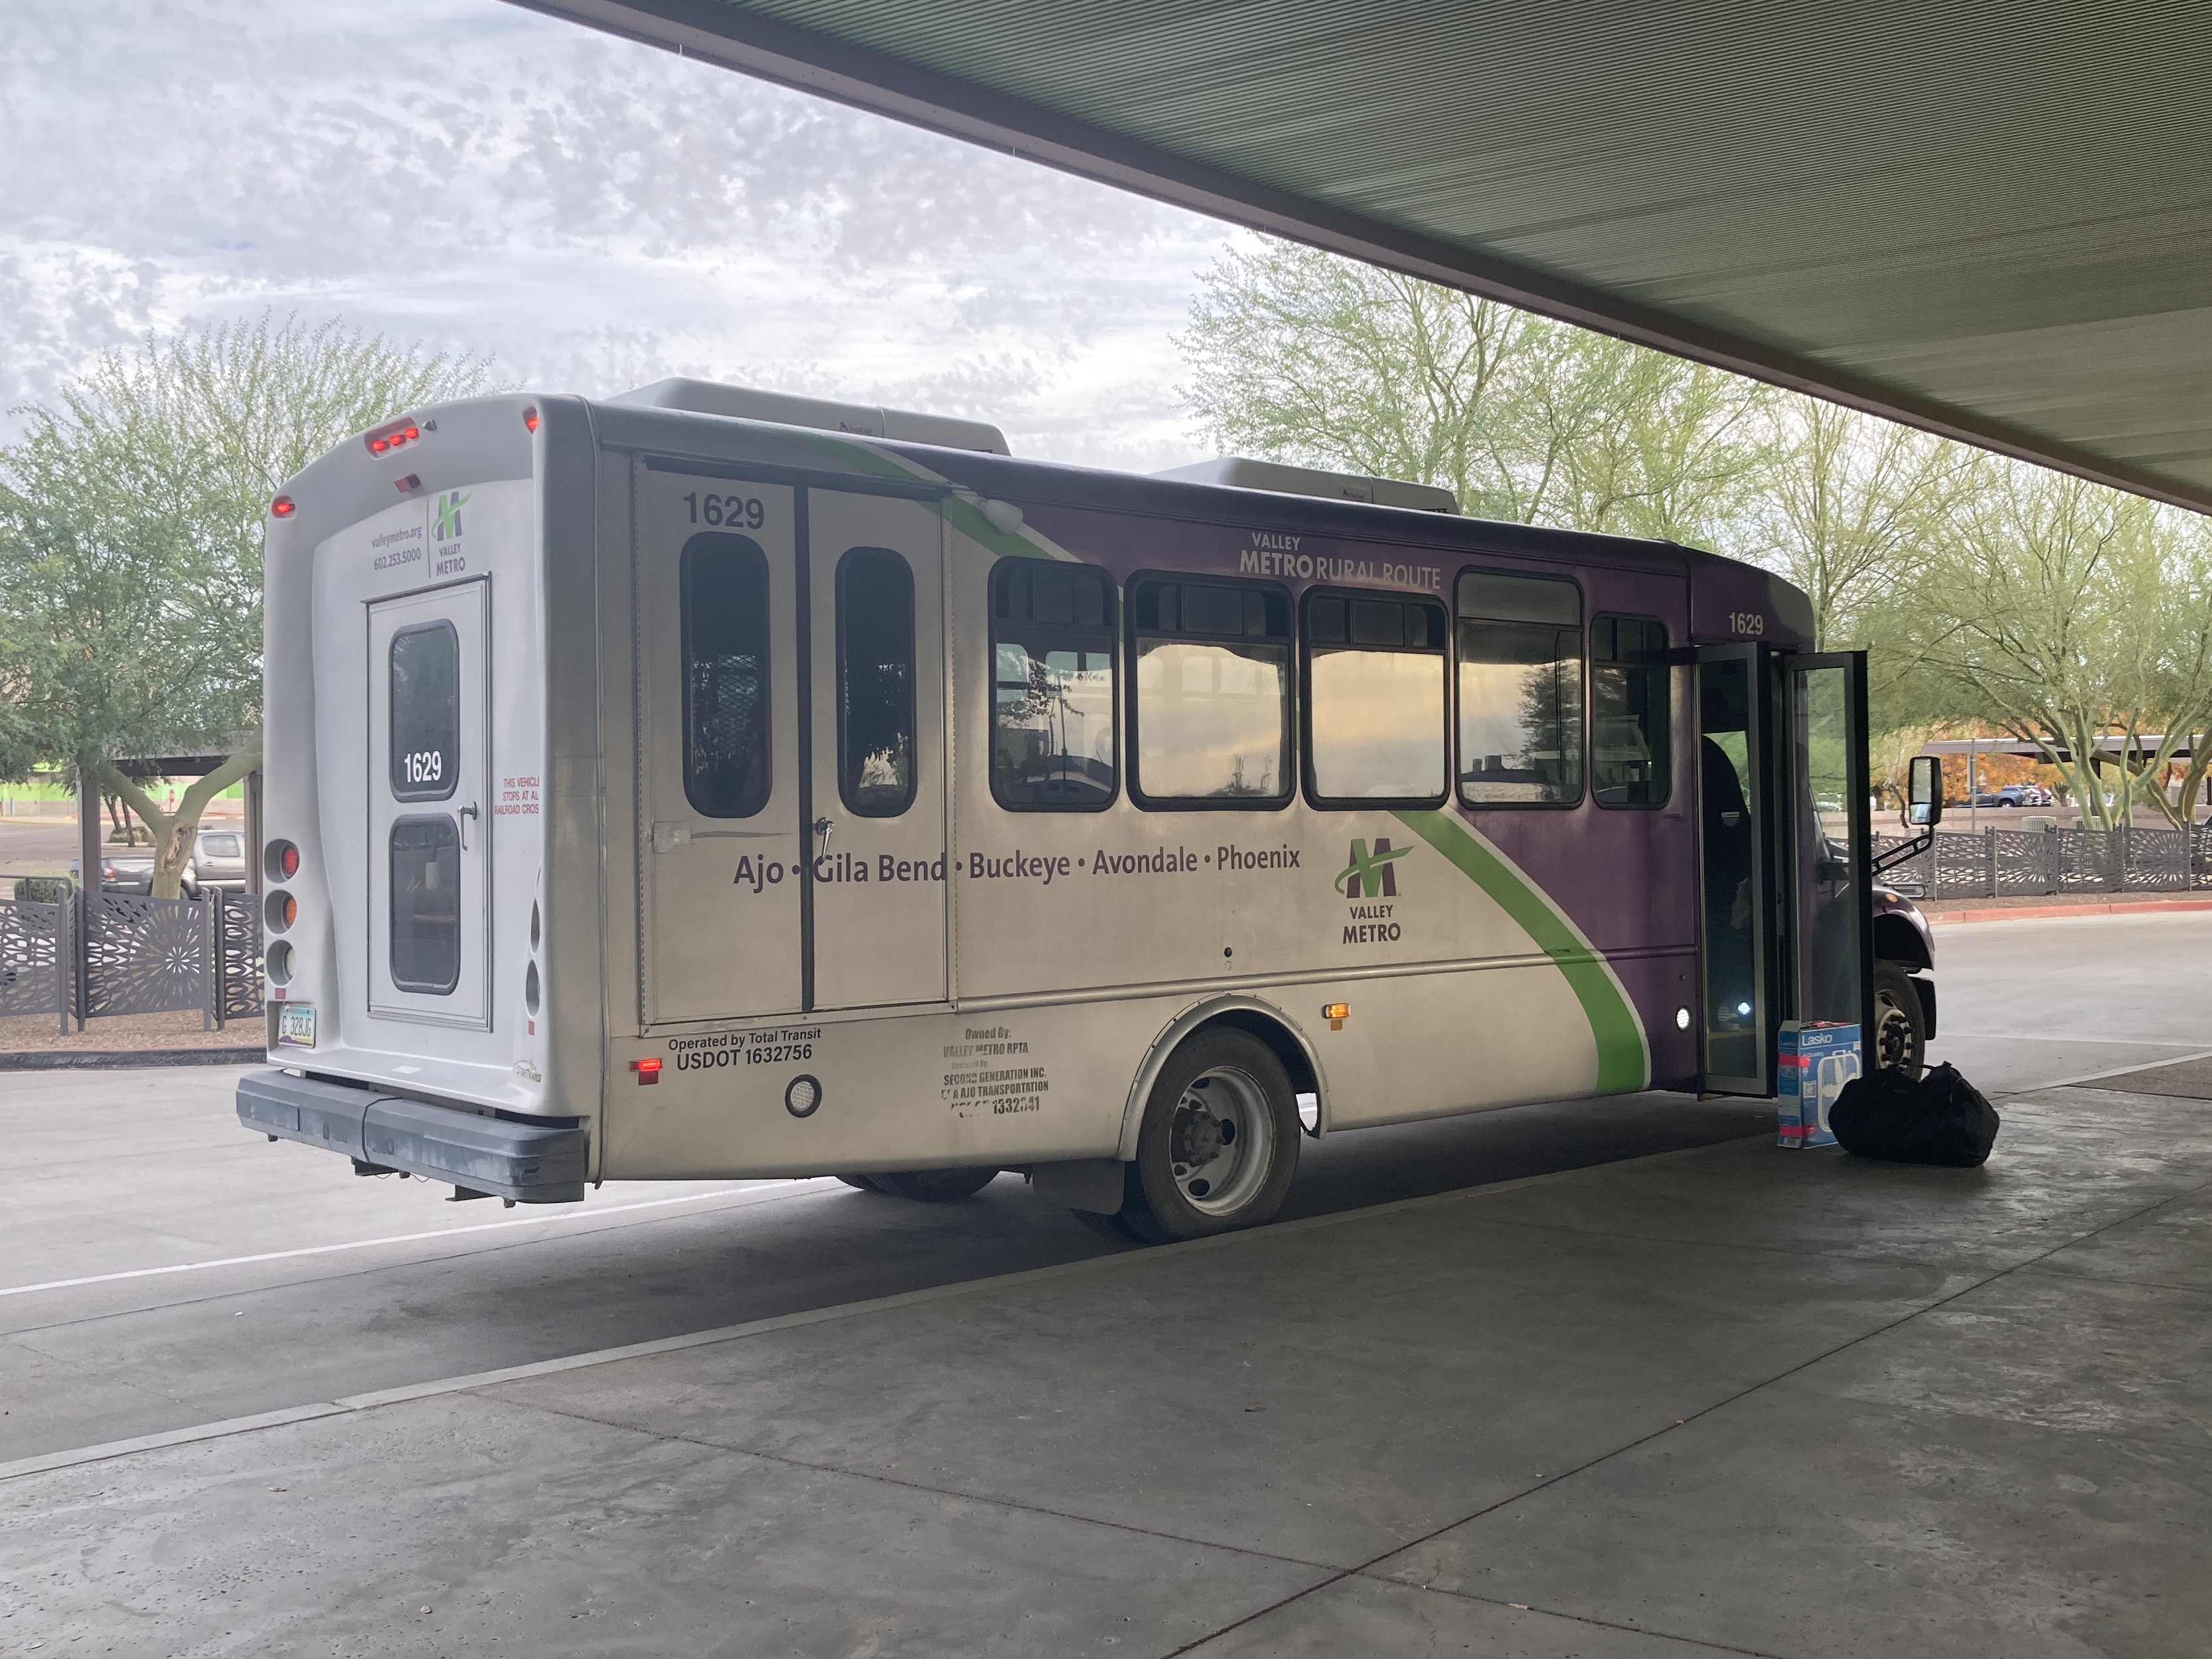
pixel 713 783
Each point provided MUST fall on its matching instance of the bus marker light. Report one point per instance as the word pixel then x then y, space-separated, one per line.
pixel 391 436
pixel 1336 1013
pixel 1681 1020
pixel 647 1069
pixel 530 419
pixel 281 507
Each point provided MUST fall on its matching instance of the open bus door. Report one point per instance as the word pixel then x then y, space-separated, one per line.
pixel 1785 838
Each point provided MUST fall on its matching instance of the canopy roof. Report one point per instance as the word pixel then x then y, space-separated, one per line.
pixel 1992 218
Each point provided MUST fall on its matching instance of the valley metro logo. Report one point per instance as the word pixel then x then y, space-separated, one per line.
pixel 1370 875
pixel 449 515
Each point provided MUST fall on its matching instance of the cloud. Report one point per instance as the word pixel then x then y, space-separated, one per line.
pixel 594 212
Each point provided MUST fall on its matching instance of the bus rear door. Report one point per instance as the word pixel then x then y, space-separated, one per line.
pixel 1784 851
pixel 430 826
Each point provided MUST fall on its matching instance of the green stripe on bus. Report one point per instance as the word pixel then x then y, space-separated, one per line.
pixel 1621 1068
pixel 960 513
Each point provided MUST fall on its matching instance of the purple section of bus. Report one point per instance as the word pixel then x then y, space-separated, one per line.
pixel 1624 876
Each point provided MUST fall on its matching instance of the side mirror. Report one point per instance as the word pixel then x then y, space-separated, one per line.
pixel 1923 801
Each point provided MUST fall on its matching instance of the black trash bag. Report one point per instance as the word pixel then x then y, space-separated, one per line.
pixel 1940 1119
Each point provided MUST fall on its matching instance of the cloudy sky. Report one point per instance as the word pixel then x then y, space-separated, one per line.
pixel 595 213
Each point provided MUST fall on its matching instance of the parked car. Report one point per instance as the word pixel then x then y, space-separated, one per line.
pixel 219 861
pixel 127 870
pixel 2024 794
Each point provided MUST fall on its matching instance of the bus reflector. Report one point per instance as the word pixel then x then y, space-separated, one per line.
pixel 281 507
pixel 530 417
pixel 647 1069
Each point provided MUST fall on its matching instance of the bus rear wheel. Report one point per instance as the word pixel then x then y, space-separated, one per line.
pixel 924 1186
pixel 1219 1143
pixel 1900 1039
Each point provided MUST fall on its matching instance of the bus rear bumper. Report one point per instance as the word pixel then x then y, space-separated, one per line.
pixel 528 1163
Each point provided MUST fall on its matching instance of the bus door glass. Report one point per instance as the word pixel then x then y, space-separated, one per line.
pixel 876 795
pixel 1736 857
pixel 430 825
pixel 720 833
pixel 1829 824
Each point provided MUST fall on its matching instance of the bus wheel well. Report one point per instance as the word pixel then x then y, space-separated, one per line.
pixel 1285 1047
pixel 1896 940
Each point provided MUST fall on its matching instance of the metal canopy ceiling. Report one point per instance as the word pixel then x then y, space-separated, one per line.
pixel 1987 217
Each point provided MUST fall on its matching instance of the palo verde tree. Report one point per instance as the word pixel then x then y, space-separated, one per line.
pixel 130 532
pixel 1846 504
pixel 2070 613
pixel 1300 356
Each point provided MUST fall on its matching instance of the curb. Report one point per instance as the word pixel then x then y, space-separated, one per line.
pixel 2046 912
pixel 83 1059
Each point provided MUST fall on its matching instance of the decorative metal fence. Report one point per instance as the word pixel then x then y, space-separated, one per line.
pixel 37 964
pixel 102 954
pixel 2015 861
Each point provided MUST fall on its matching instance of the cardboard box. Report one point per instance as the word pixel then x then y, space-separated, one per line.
pixel 1814 1063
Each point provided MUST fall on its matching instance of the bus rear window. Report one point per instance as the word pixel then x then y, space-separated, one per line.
pixel 1374 701
pixel 1631 732
pixel 1052 686
pixel 1213 693
pixel 724 580
pixel 875 683
pixel 426 711
pixel 1520 689
pixel 426 904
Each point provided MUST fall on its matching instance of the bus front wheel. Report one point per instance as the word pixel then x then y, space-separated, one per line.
pixel 1900 1039
pixel 1219 1142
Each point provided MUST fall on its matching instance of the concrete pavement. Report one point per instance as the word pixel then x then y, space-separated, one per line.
pixel 1730 1398
pixel 1602 1378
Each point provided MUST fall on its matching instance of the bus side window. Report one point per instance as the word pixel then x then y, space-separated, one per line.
pixel 725 603
pixel 1374 701
pixel 1052 636
pixel 1520 689
pixel 1631 730
pixel 1212 705
pixel 875 683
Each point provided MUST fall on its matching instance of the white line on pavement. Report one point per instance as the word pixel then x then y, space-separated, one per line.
pixel 816 1183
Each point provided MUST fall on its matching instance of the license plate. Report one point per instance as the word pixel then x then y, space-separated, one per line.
pixel 295 1026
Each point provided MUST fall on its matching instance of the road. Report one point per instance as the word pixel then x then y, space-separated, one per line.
pixel 166 1269
pixel 2022 1002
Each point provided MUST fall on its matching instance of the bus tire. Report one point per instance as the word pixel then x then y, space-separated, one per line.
pixel 1900 1039
pixel 1219 1142
pixel 928 1186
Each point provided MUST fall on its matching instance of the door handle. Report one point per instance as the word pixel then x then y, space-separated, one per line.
pixel 466 813
pixel 823 829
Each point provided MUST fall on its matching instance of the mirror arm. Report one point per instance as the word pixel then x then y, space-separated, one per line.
pixel 1897 855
